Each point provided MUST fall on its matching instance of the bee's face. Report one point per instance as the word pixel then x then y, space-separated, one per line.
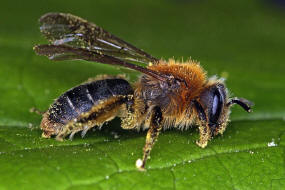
pixel 213 100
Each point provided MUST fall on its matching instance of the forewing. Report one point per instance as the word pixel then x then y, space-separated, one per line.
pixel 64 52
pixel 70 30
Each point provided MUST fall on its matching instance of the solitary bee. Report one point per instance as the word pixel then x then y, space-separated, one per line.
pixel 168 94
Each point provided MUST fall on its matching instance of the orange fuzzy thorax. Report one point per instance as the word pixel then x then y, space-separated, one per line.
pixel 190 71
pixel 194 81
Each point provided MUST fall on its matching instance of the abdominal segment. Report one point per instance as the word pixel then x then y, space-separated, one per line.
pixel 99 114
pixel 85 105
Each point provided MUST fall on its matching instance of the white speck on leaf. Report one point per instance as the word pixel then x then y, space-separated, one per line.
pixel 115 134
pixel 272 143
pixel 139 163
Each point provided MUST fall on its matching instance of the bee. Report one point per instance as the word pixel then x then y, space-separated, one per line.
pixel 168 94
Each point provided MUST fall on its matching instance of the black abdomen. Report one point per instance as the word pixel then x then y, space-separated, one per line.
pixel 81 98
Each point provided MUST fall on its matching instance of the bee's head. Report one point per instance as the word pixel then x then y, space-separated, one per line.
pixel 213 106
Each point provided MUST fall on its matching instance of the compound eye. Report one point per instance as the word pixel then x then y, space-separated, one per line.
pixel 217 105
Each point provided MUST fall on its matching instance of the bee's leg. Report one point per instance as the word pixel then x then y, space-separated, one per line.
pixel 130 118
pixel 205 136
pixel 71 129
pixel 97 116
pixel 151 137
pixel 204 129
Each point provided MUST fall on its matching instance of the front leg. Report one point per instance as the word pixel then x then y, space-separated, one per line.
pixel 204 129
pixel 205 136
pixel 151 137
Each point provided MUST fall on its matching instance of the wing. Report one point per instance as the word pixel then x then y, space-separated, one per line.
pixel 64 52
pixel 73 31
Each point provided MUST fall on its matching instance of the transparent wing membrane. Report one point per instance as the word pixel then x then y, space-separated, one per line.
pixel 70 30
pixel 64 52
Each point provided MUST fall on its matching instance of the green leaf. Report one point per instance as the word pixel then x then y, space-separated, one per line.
pixel 240 40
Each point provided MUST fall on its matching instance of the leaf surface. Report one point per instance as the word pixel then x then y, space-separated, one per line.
pixel 242 41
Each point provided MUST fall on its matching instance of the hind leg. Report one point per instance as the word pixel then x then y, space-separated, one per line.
pixel 97 116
